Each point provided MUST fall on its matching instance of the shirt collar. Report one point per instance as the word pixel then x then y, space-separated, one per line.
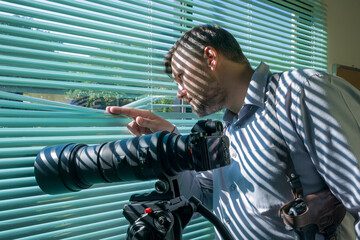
pixel 256 92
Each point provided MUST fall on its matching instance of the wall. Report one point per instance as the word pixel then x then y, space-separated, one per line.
pixel 343 33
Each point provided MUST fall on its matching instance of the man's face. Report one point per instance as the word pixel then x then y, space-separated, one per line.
pixel 197 83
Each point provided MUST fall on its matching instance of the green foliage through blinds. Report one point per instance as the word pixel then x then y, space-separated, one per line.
pixel 63 61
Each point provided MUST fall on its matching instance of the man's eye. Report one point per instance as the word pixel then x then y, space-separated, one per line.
pixel 178 78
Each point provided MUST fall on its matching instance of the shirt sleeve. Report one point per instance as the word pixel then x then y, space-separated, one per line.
pixel 325 111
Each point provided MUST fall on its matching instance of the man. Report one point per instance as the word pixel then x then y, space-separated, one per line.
pixel 305 115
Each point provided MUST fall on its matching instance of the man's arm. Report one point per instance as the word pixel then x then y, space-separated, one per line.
pixel 146 122
pixel 325 111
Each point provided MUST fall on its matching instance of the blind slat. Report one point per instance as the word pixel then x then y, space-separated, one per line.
pixel 120 19
pixel 51 26
pixel 63 38
pixel 46 64
pixel 65 20
pixel 59 75
pixel 65 57
pixel 110 193
pixel 53 46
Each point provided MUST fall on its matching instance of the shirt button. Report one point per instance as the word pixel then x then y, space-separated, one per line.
pixel 232 187
pixel 227 220
pixel 233 153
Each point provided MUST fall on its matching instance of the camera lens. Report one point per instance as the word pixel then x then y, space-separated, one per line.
pixel 72 167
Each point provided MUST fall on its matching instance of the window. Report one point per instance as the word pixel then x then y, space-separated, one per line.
pixel 62 62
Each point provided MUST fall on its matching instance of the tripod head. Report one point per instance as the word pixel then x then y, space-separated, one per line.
pixel 157 216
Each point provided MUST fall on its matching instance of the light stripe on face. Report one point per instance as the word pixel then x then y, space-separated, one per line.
pixel 191 74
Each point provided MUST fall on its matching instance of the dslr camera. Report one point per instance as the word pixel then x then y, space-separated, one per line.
pixel 161 214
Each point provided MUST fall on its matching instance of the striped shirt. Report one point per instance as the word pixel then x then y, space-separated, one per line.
pixel 306 114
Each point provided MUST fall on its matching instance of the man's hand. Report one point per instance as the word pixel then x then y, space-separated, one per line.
pixel 144 121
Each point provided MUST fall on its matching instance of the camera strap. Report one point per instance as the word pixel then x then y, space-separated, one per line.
pixel 290 172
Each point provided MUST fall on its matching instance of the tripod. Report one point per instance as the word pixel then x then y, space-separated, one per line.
pixel 163 213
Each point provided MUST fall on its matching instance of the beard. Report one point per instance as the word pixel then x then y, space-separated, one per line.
pixel 209 103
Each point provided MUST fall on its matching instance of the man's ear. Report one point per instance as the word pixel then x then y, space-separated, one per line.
pixel 211 57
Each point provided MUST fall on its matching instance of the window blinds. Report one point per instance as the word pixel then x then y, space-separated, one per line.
pixel 63 61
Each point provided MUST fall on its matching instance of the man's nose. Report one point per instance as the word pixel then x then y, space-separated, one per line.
pixel 181 92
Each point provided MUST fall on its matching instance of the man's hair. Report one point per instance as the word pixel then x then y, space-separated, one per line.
pixel 197 38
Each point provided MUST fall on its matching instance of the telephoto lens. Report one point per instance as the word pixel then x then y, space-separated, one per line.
pixel 73 167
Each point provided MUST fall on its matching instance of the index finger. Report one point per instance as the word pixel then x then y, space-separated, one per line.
pixel 130 112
